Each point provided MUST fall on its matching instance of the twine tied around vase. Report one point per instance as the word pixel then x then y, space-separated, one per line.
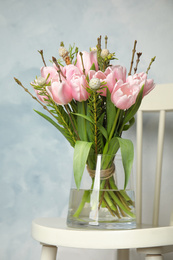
pixel 104 174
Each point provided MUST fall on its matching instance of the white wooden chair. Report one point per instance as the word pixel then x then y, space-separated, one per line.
pixel 151 240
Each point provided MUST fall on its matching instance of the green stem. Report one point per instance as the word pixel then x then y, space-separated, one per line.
pixel 119 125
pixel 72 123
pixel 114 125
pixel 109 201
pixel 84 199
pixel 112 132
pixel 117 201
pixel 84 110
pixel 123 201
pixel 81 122
pixel 122 192
pixel 95 121
pixel 121 198
pixel 102 191
pixel 112 183
pixel 108 207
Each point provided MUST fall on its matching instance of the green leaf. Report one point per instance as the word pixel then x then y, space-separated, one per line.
pixel 81 121
pixel 103 131
pixel 110 112
pixel 84 116
pixel 113 146
pixel 93 67
pixel 127 126
pixel 111 150
pixel 101 118
pixel 80 157
pixel 100 126
pixel 61 129
pixel 127 153
pixel 89 126
pixel 50 121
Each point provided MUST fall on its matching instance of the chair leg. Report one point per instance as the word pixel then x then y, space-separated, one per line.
pixel 154 257
pixel 123 254
pixel 48 252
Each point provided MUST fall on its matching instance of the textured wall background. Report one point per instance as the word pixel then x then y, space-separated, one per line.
pixel 35 161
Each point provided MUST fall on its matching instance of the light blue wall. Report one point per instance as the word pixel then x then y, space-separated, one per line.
pixel 35 160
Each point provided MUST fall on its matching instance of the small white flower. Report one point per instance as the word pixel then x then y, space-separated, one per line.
pixel 104 53
pixel 40 81
pixel 63 52
pixel 93 49
pixel 94 83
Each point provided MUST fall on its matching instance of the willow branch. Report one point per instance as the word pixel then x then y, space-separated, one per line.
pixel 41 53
pixel 99 43
pixel 137 61
pixel 45 107
pixel 81 55
pixel 106 41
pixel 59 69
pixel 152 60
pixel 133 54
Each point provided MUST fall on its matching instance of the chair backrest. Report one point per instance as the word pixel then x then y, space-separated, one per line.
pixel 159 100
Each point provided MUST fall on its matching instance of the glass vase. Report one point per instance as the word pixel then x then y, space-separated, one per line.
pixel 102 202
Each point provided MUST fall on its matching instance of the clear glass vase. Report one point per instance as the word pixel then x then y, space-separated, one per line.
pixel 102 202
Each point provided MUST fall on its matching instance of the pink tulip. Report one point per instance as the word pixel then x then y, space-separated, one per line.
pixel 91 74
pixel 69 71
pixel 60 92
pixel 88 59
pixel 78 85
pixel 124 94
pixel 149 85
pixel 36 83
pixel 49 70
pixel 40 97
pixel 141 79
pixel 111 76
pixel 101 75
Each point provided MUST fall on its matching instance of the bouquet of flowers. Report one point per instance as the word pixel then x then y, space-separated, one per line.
pixel 92 102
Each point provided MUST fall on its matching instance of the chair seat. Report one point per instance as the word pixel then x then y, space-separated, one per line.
pixel 54 231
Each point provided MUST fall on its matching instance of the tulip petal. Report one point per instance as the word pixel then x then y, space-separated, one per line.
pixel 60 92
pixel 78 85
pixel 49 70
pixel 124 95
pixel 88 59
